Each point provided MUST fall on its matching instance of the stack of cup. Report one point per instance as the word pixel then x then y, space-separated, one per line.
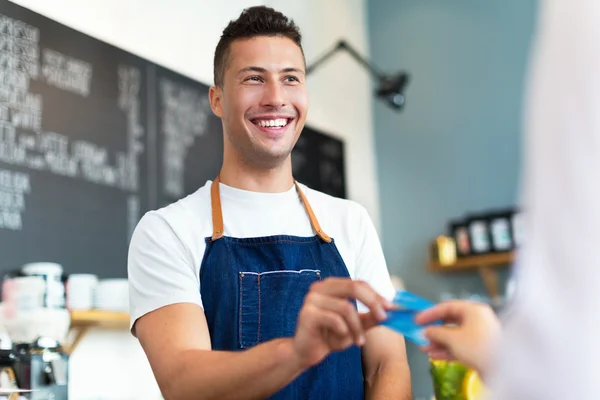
pixel 112 295
pixel 81 290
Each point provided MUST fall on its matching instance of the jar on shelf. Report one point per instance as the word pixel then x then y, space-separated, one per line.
pixel 54 288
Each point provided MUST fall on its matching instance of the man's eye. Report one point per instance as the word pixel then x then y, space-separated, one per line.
pixel 292 79
pixel 253 78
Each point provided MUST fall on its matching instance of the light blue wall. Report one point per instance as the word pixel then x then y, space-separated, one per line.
pixel 456 146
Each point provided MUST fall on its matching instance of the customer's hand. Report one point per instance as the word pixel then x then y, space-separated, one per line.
pixel 471 337
pixel 328 321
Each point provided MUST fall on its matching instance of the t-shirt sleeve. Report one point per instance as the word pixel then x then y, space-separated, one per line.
pixel 160 269
pixel 370 264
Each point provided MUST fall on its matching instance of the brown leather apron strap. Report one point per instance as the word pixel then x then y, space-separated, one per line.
pixel 311 215
pixel 217 212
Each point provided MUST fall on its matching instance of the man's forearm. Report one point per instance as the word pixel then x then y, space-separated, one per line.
pixel 255 373
pixel 390 381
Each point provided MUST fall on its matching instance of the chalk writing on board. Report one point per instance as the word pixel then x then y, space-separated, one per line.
pixel 129 101
pixel 25 143
pixel 66 73
pixel 19 55
pixel 13 188
pixel 185 112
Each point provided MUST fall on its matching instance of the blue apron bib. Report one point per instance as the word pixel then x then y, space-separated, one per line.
pixel 253 289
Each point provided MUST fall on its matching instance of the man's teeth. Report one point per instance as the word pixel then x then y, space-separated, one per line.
pixel 279 122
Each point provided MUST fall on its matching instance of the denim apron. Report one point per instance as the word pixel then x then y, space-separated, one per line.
pixel 253 289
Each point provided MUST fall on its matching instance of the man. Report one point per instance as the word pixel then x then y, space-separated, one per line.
pixel 237 291
pixel 548 348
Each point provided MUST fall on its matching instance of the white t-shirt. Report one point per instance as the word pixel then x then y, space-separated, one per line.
pixel 167 246
pixel 551 346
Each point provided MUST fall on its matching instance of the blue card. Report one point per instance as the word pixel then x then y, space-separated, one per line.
pixel 403 319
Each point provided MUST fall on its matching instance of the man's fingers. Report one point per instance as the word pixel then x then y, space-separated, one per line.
pixel 342 307
pixel 450 312
pixel 361 291
pixel 368 320
pixel 337 342
pixel 334 328
pixel 329 320
pixel 387 304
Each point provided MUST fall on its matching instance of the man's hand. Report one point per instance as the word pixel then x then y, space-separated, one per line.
pixel 328 320
pixel 472 338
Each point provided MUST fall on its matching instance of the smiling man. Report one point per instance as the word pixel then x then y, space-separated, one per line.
pixel 238 291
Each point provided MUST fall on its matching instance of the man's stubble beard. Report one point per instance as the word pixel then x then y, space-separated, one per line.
pixel 255 156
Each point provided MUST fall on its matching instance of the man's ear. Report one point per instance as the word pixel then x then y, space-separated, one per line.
pixel 215 95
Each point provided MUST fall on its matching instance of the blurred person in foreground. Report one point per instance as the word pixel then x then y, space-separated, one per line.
pixel 549 346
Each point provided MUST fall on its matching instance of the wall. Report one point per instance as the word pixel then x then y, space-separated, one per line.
pixel 456 146
pixel 182 35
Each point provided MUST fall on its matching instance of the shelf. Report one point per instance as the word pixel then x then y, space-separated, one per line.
pixel 99 318
pixel 487 265
pixel 83 321
pixel 473 262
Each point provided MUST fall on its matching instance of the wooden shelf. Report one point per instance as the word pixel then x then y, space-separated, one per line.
pixel 474 262
pixel 487 265
pixel 99 318
pixel 83 321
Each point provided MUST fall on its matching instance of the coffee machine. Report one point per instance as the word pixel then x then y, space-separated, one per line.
pixel 33 326
pixel 40 367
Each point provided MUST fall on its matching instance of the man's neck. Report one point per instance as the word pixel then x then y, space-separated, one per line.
pixel 272 180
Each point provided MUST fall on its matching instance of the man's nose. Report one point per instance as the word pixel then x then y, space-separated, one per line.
pixel 274 95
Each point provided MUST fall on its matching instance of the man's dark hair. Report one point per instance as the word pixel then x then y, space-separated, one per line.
pixel 252 22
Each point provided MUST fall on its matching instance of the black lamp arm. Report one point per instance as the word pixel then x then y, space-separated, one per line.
pixel 343 45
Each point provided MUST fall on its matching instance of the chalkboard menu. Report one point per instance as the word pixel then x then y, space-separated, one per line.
pixel 92 137
pixel 318 161
pixel 190 137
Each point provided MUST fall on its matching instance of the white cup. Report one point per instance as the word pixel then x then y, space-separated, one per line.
pixel 80 291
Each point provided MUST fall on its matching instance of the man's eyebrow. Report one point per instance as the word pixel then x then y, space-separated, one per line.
pixel 293 69
pixel 252 69
pixel 263 70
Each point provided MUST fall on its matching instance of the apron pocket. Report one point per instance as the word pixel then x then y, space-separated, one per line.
pixel 270 303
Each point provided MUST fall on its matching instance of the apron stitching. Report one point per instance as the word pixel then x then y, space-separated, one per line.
pixel 258 333
pixel 279 241
pixel 280 271
pixel 240 310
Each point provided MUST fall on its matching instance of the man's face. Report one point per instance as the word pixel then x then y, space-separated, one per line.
pixel 263 101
